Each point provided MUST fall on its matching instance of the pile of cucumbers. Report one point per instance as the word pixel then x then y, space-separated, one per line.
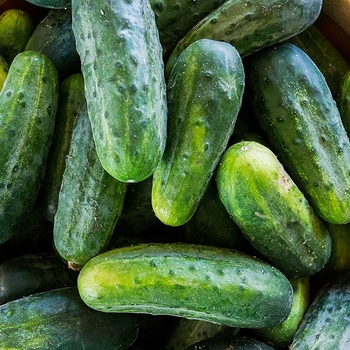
pixel 173 175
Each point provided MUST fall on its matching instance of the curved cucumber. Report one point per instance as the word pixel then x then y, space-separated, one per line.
pixel 28 104
pixel 89 202
pixel 271 211
pixel 122 64
pixel 58 319
pixel 198 282
pixel 251 25
pixel 296 109
pixel 205 92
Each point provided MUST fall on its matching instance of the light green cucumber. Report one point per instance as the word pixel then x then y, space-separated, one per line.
pixel 250 25
pixel 271 211
pixel 89 202
pixel 28 104
pixel 205 92
pixel 123 69
pixel 197 282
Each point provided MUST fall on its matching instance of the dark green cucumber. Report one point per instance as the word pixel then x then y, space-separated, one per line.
pixel 54 37
pixel 4 67
pixel 250 25
pixel 71 99
pixel 271 211
pixel 174 20
pixel 205 92
pixel 328 59
pixel 343 101
pixel 58 319
pixel 122 64
pixel 281 336
pixel 326 323
pixel 296 109
pixel 53 4
pixel 197 282
pixel 33 273
pixel 16 27
pixel 90 199
pixel 212 225
pixel 28 104
pixel 238 342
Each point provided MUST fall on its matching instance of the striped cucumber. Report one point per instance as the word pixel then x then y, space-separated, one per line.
pixel 250 25
pixel 296 109
pixel 205 92
pixel 123 69
pixel 271 211
pixel 198 282
pixel 90 199
pixel 28 105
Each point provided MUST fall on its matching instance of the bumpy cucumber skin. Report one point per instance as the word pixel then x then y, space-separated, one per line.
pixel 54 37
pixel 16 27
pixel 328 59
pixel 123 69
pixel 296 109
pixel 205 92
pixel 28 104
pixel 271 211
pixel 325 324
pixel 174 20
pixel 58 319
pixel 71 99
pixel 251 25
pixel 343 101
pixel 90 199
pixel 53 4
pixel 198 282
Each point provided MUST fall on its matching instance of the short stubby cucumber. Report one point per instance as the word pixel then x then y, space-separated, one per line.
pixel 58 319
pixel 300 117
pixel 71 99
pixel 271 211
pixel 193 281
pixel 205 92
pixel 122 64
pixel 250 25
pixel 89 202
pixel 28 105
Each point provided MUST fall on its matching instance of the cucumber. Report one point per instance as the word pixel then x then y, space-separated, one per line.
pixel 89 202
pixel 271 211
pixel 54 37
pixel 328 59
pixel 251 25
pixel 71 99
pixel 28 105
pixel 123 69
pixel 343 101
pixel 197 282
pixel 4 67
pixel 325 324
pixel 174 20
pixel 299 115
pixel 58 319
pixel 205 92
pixel 33 273
pixel 281 336
pixel 53 4
pixel 16 27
